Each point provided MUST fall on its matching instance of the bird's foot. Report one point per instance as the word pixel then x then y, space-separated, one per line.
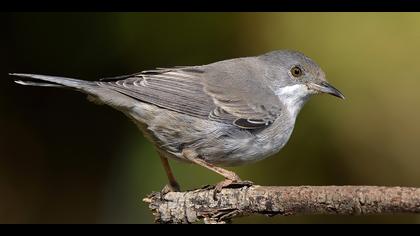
pixel 240 184
pixel 230 183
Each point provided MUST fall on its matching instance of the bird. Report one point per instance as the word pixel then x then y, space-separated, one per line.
pixel 227 113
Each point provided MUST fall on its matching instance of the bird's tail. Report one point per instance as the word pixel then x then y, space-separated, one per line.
pixel 51 81
pixel 96 93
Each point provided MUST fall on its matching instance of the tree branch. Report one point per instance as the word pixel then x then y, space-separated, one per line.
pixel 191 206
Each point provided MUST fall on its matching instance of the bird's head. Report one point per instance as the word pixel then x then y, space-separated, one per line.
pixel 295 77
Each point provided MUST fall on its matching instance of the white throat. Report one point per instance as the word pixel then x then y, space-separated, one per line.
pixel 294 97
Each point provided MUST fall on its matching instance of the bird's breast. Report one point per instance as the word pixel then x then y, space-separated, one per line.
pixel 257 146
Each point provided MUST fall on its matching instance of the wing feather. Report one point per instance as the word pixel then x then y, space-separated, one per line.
pixel 209 92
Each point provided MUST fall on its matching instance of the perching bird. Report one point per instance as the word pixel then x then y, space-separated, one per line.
pixel 227 113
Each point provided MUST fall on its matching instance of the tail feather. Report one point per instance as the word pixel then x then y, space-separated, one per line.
pixel 49 81
pixel 95 92
pixel 30 83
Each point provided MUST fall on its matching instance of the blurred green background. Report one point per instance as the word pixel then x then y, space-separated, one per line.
pixel 66 160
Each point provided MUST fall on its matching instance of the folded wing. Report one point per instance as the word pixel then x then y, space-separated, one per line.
pixel 203 92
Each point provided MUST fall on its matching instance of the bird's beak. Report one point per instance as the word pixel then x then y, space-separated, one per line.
pixel 325 87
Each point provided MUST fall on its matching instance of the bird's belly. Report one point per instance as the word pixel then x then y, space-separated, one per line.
pixel 245 152
pixel 216 143
pixel 231 153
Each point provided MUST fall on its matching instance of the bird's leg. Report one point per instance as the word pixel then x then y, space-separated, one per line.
pixel 231 178
pixel 173 186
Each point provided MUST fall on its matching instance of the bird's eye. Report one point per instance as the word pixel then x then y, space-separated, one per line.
pixel 296 71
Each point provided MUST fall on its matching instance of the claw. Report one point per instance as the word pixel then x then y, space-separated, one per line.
pixel 240 184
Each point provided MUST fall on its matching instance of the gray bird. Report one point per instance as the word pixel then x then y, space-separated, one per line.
pixel 227 113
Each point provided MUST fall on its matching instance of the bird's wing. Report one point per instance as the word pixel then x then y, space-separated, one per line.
pixel 198 92
pixel 239 87
pixel 173 89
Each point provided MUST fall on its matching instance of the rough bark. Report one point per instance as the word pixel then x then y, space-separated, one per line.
pixel 192 206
